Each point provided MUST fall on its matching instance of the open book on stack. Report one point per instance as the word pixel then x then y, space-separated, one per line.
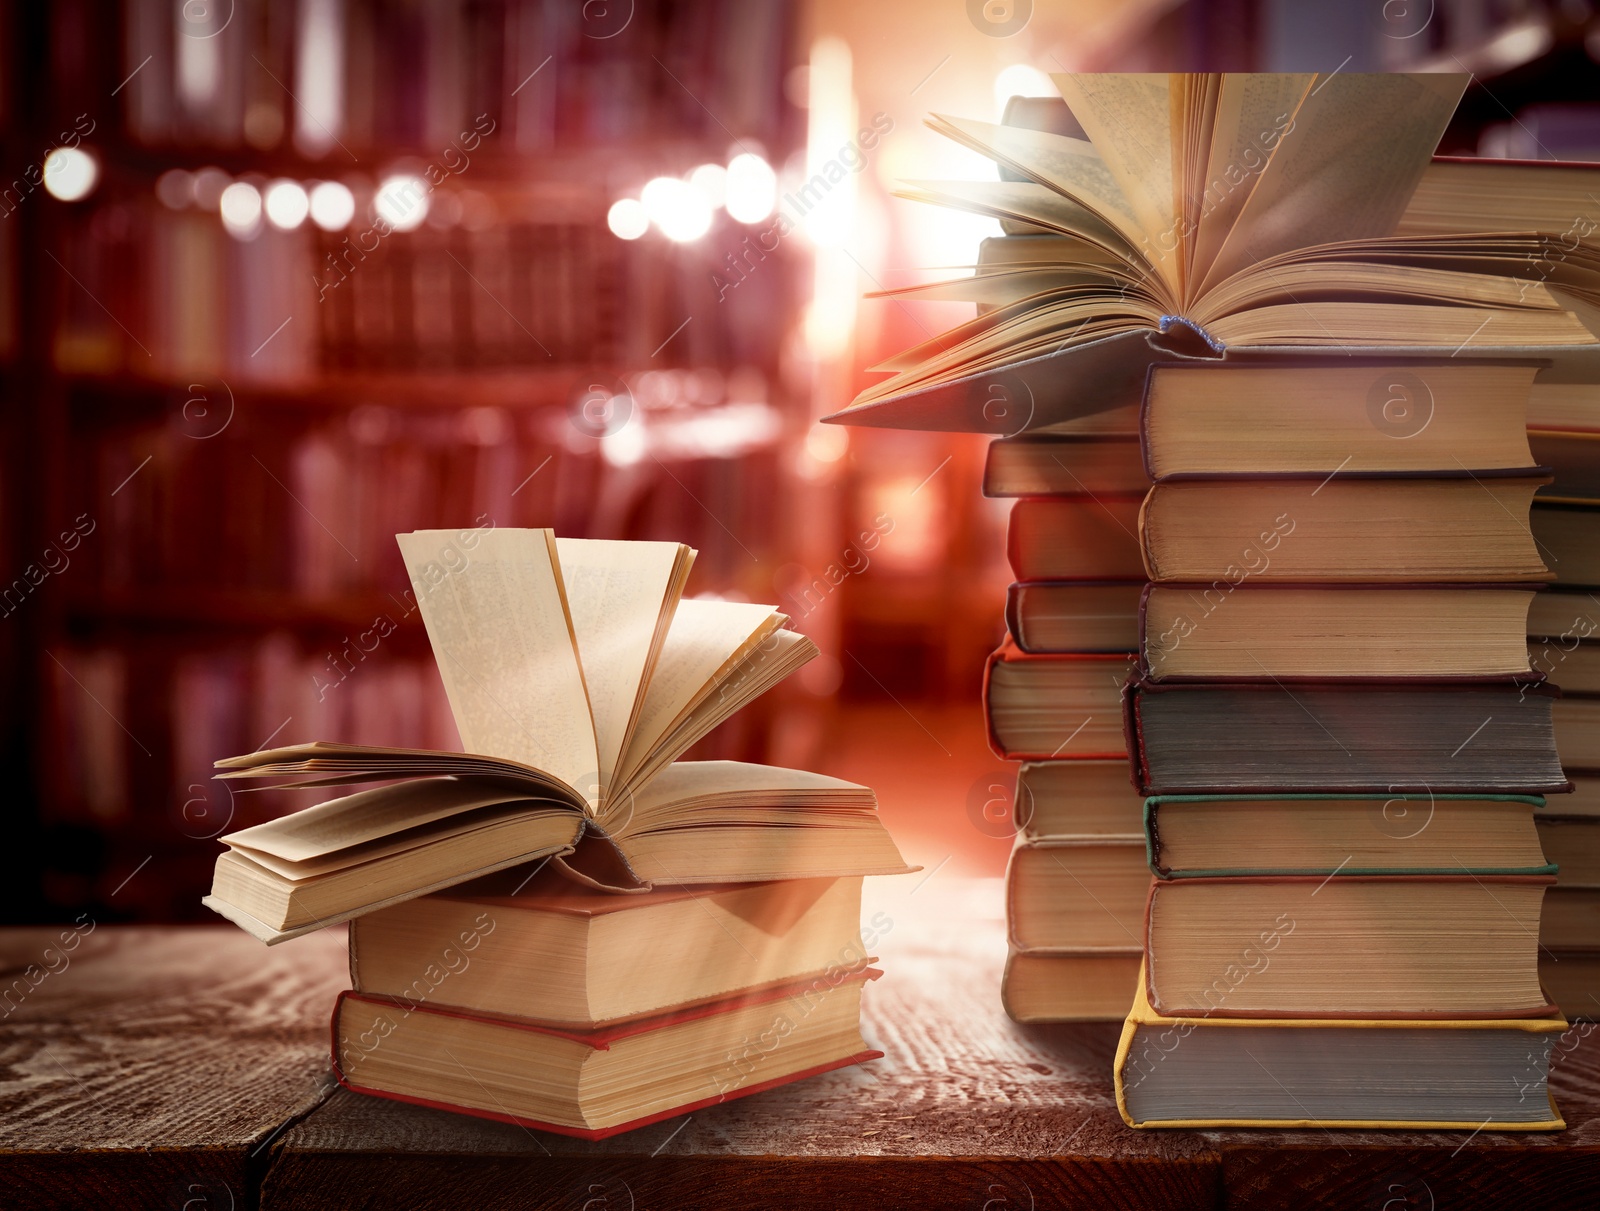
pixel 577 673
pixel 1333 342
pixel 593 931
pixel 1228 215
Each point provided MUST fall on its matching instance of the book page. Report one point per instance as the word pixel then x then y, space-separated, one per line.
pixel 1254 110
pixel 1346 168
pixel 373 815
pixel 621 596
pixel 1070 166
pixel 496 614
pixel 1128 118
pixel 705 638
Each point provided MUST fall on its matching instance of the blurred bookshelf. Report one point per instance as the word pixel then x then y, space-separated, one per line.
pixel 343 269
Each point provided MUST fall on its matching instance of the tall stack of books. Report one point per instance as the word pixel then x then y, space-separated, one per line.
pixel 567 927
pixel 1333 714
pixel 1075 886
pixel 1564 645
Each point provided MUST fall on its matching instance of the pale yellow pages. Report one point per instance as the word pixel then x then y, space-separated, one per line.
pixel 684 782
pixel 494 606
pixel 1069 166
pixel 1254 111
pixel 1026 201
pixel 1128 118
pixel 706 638
pixel 1346 169
pixel 621 596
pixel 369 816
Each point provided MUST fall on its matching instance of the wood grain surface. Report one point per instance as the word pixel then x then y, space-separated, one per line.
pixel 186 1067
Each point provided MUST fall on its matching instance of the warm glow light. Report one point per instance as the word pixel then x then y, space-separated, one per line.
pixel 830 186
pixel 752 188
pixel 1021 80
pixel 70 173
pixel 402 201
pixel 332 205
pixel 286 204
pixel 240 205
pixel 175 188
pixel 831 318
pixel 712 182
pixel 625 446
pixel 627 219
pixel 679 210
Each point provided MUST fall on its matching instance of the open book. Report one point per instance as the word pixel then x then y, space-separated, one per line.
pixel 1231 211
pixel 576 674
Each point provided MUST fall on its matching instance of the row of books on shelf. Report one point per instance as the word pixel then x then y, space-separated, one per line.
pixel 1337 695
pixel 341 77
pixel 164 294
pixel 224 494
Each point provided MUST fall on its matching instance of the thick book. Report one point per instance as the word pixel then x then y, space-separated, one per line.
pixel 1187 209
pixel 1083 894
pixel 562 953
pixel 1351 415
pixel 1568 534
pixel 1574 461
pixel 1569 834
pixel 598 1082
pixel 1213 836
pixel 1572 664
pixel 1466 528
pixel 1057 465
pixel 1471 1074
pixel 1095 986
pixel 1571 919
pixel 1075 616
pixel 1076 538
pixel 1055 705
pixel 1222 631
pixel 1456 945
pixel 576 675
pixel 1564 616
pixel 1332 737
pixel 1076 798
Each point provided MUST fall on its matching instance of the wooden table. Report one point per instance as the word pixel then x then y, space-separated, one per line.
pixel 187 1068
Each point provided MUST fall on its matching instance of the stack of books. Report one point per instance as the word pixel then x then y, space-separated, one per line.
pixel 1075 886
pixel 567 927
pixel 1333 715
pixel 1564 645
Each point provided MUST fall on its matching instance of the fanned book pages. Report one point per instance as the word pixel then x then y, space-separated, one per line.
pixel 577 675
pixel 1226 215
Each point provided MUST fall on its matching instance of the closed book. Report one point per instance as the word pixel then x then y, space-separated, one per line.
pixel 1574 461
pixel 1076 538
pixel 1471 1074
pixel 1078 798
pixel 1466 528
pixel 1090 987
pixel 1569 834
pixel 1055 465
pixel 1084 894
pixel 1212 836
pixel 1294 417
pixel 1327 946
pixel 1568 534
pixel 1342 736
pixel 1053 706
pixel 1222 631
pixel 1565 616
pixel 1571 918
pixel 559 952
pixel 1577 724
pixel 1074 616
pixel 598 1082
pixel 1572 977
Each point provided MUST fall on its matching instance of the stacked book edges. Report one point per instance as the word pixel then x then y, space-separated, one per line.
pixel 1273 552
pixel 566 926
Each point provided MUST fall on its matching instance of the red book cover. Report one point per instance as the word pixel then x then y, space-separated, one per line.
pixel 600 1038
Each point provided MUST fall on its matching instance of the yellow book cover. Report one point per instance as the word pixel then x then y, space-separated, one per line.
pixel 1436 1056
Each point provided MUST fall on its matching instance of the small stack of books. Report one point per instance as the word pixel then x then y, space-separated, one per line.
pixel 567 927
pixel 1564 645
pixel 1333 715
pixel 1075 886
